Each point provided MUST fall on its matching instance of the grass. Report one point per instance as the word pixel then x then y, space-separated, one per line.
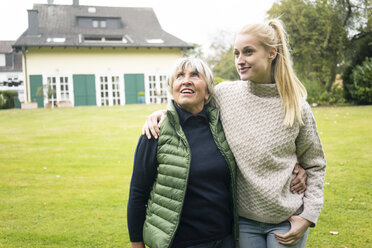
pixel 65 173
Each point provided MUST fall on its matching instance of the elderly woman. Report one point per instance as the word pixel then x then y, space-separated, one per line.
pixel 183 190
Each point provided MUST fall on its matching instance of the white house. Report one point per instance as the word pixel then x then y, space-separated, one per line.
pixel 11 75
pixel 90 55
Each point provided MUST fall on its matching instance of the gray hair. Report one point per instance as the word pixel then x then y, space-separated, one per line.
pixel 195 64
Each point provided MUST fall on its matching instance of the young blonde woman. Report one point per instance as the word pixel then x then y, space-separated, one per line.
pixel 269 125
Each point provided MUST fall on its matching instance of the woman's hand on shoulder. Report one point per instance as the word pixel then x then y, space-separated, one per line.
pixel 152 124
pixel 299 226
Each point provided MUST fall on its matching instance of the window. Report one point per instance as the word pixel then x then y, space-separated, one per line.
pixel 95 24
pixel 115 39
pixel 92 10
pixel 58 88
pixel 51 90
pixel 115 90
pixel 93 39
pixel 2 60
pixel 155 41
pixel 99 22
pixel 64 88
pixel 110 91
pixel 56 40
pixel 104 91
pixel 156 87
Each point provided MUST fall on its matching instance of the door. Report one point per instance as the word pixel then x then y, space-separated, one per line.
pixel 134 83
pixel 84 90
pixel 36 81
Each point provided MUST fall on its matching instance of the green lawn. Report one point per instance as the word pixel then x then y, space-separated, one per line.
pixel 65 173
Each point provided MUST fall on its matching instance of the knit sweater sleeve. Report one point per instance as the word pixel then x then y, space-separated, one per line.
pixel 311 156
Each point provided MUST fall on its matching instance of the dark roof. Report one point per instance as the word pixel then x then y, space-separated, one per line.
pixel 6 46
pixel 13 58
pixel 60 21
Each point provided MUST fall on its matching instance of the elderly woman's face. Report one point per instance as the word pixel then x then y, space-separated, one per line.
pixel 190 90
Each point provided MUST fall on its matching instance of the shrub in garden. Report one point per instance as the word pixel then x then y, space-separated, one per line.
pixel 7 98
pixel 361 92
pixel 317 94
pixel 218 80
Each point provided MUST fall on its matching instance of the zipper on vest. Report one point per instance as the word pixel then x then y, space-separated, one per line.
pixel 184 195
pixel 232 183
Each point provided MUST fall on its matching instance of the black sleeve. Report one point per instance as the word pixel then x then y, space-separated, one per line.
pixel 143 177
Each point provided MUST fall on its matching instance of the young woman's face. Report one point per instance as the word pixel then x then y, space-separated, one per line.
pixel 252 60
pixel 190 90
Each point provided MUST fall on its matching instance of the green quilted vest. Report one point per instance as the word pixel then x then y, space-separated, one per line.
pixel 164 207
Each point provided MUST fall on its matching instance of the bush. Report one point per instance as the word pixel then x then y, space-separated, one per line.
pixel 318 95
pixel 2 100
pixel 218 80
pixel 361 92
pixel 7 98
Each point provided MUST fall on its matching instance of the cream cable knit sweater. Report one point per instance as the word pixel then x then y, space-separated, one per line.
pixel 266 152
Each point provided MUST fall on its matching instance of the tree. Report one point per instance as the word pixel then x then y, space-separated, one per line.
pixel 360 48
pixel 196 52
pixel 317 36
pixel 221 57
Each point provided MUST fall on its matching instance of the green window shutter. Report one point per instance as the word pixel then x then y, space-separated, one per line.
pixel 91 90
pixel 36 81
pixel 84 90
pixel 134 83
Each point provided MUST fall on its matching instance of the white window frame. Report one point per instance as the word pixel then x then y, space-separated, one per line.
pixel 156 90
pixel 2 59
pixel 103 24
pixel 59 97
pixel 119 80
pixel 95 23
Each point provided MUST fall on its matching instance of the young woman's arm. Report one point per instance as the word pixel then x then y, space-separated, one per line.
pixel 152 124
pixel 151 128
pixel 311 156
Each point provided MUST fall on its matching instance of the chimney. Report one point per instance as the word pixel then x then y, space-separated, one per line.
pixel 75 2
pixel 33 22
pixel 50 1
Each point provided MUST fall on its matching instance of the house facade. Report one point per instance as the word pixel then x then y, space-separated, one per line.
pixel 101 56
pixel 11 75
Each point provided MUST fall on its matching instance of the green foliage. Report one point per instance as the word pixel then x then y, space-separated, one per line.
pixel 65 176
pixel 2 100
pixel 46 91
pixel 361 48
pixel 7 98
pixel 196 52
pixel 318 95
pixel 221 58
pixel 218 80
pixel 361 92
pixel 317 37
pixel 225 67
pixel 326 36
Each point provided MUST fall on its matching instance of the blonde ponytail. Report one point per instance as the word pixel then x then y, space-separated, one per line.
pixel 289 86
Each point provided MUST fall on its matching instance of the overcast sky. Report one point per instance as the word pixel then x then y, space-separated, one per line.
pixel 194 21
